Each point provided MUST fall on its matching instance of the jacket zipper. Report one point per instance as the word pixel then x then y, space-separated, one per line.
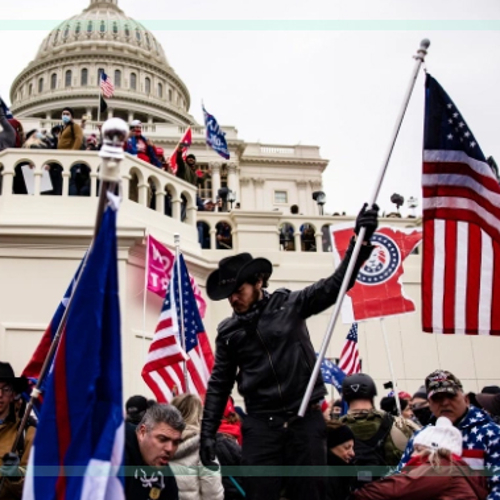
pixel 272 367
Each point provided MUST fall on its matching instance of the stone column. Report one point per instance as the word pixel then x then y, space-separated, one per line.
pixel 130 116
pixel 303 205
pixel 160 201
pixel 215 168
pixel 259 193
pixel 231 176
pixel 66 174
pixel 176 208
pixel 48 115
pixel 143 194
pixel 246 199
pixel 318 236
pixel 213 243
pixel 89 113
pixel 298 241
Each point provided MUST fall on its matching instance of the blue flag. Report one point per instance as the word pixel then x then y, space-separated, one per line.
pixel 78 448
pixel 215 137
pixel 6 110
pixel 332 374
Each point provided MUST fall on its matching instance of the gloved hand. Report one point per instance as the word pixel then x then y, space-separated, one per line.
pixel 367 218
pixel 10 466
pixel 207 453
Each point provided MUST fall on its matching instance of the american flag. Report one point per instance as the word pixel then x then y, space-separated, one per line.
pixel 164 368
pixel 349 359
pixel 107 87
pixel 461 214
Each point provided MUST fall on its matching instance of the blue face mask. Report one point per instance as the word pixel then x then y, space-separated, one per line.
pixel 39 135
pixel 66 119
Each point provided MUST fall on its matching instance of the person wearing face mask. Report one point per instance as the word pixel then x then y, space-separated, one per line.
pixel 138 145
pixel 340 445
pixel 71 136
pixel 35 139
pixel 420 407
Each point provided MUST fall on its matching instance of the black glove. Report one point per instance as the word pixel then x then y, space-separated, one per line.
pixel 207 453
pixel 367 218
pixel 10 466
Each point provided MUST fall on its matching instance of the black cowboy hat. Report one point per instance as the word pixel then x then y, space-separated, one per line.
pixel 233 272
pixel 19 384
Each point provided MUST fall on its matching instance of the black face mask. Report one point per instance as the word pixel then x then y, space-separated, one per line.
pixel 423 415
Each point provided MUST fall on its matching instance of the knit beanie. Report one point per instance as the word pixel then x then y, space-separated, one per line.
pixel 442 435
pixel 421 393
pixel 338 435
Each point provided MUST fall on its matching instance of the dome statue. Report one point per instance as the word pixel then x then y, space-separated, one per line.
pixel 102 38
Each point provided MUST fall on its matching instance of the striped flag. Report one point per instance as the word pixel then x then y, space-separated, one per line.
pixel 164 368
pixel 349 359
pixel 107 87
pixel 461 222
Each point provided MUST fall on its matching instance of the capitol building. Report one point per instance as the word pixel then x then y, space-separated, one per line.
pixel 44 237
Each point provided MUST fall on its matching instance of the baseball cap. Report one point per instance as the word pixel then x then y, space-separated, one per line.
pixel 136 404
pixel 442 381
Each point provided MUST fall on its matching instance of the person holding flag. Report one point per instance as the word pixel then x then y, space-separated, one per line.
pixel 265 346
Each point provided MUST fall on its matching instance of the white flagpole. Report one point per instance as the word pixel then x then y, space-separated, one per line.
pixel 391 368
pixel 99 76
pixel 177 242
pixel 420 57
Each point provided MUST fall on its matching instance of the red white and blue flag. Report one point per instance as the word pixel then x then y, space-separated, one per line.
pixel 78 448
pixel 107 87
pixel 349 362
pixel 378 291
pixel 164 368
pixel 461 220
pixel 186 141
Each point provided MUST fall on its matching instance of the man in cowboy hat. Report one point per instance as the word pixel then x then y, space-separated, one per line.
pixel 12 464
pixel 265 346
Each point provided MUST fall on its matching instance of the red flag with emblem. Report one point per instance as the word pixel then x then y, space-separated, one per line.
pixel 186 139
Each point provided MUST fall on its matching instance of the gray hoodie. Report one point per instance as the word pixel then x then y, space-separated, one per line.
pixel 8 135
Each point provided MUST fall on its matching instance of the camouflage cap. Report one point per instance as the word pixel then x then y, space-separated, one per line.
pixel 442 381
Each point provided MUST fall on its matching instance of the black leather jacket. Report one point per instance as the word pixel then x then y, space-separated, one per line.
pixel 272 359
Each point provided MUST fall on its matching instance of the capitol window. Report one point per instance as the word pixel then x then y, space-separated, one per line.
pixel 78 28
pixel 56 36
pixel 160 90
pixel 147 85
pixel 170 95
pixel 115 28
pixel 68 77
pixel 102 28
pixel 118 78
pixel 84 77
pixel 138 34
pixel 40 85
pixel 53 81
pixel 127 31
pixel 133 81
pixel 66 32
pixel 90 27
pixel 281 197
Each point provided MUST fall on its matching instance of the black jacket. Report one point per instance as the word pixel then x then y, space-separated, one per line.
pixel 341 481
pixel 272 359
pixel 228 453
pixel 140 478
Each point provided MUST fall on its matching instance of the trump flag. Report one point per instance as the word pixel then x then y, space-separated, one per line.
pixel 378 291
pixel 78 448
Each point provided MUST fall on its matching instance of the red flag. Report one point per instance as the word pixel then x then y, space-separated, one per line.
pixel 378 291
pixel 187 138
pixel 160 265
pixel 164 368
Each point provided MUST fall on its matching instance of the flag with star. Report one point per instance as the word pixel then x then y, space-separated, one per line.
pixel 164 371
pixel 332 374
pixel 461 225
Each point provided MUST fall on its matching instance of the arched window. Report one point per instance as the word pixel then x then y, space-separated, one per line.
pixel 147 85
pixel 170 95
pixel 102 27
pixel 84 80
pixel 100 71
pixel 78 28
pixel 133 81
pixel 53 81
pixel 67 78
pixel 115 28
pixel 56 36
pixel 66 32
pixel 138 34
pixel 90 27
pixel 40 85
pixel 118 78
pixel 30 89
pixel 127 31
pixel 160 90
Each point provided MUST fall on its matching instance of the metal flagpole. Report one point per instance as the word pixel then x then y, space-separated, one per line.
pixel 420 57
pixel 99 98
pixel 177 243
pixel 391 368
pixel 115 133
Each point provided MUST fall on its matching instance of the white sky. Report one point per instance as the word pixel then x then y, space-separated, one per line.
pixel 339 86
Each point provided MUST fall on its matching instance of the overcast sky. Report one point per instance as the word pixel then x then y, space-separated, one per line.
pixel 334 78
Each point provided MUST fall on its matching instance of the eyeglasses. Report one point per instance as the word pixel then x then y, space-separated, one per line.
pixel 7 390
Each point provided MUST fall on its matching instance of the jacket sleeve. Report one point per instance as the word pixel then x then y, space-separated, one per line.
pixel 8 135
pixel 492 462
pixel 77 144
pixel 219 388
pixel 403 486
pixel 181 166
pixel 323 294
pixel 406 455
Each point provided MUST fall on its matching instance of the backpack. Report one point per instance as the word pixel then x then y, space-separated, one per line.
pixel 369 457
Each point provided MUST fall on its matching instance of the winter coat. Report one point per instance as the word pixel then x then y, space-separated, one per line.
pixel 140 479
pixel 195 482
pixel 71 137
pixel 339 486
pixel 8 134
pixel 481 443
pixel 271 357
pixel 421 481
pixel 131 147
pixel 228 453
pixel 13 490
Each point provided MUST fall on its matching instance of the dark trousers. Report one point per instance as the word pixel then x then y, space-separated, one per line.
pixel 292 447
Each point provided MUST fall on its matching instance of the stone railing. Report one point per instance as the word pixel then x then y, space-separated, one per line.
pixel 140 180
